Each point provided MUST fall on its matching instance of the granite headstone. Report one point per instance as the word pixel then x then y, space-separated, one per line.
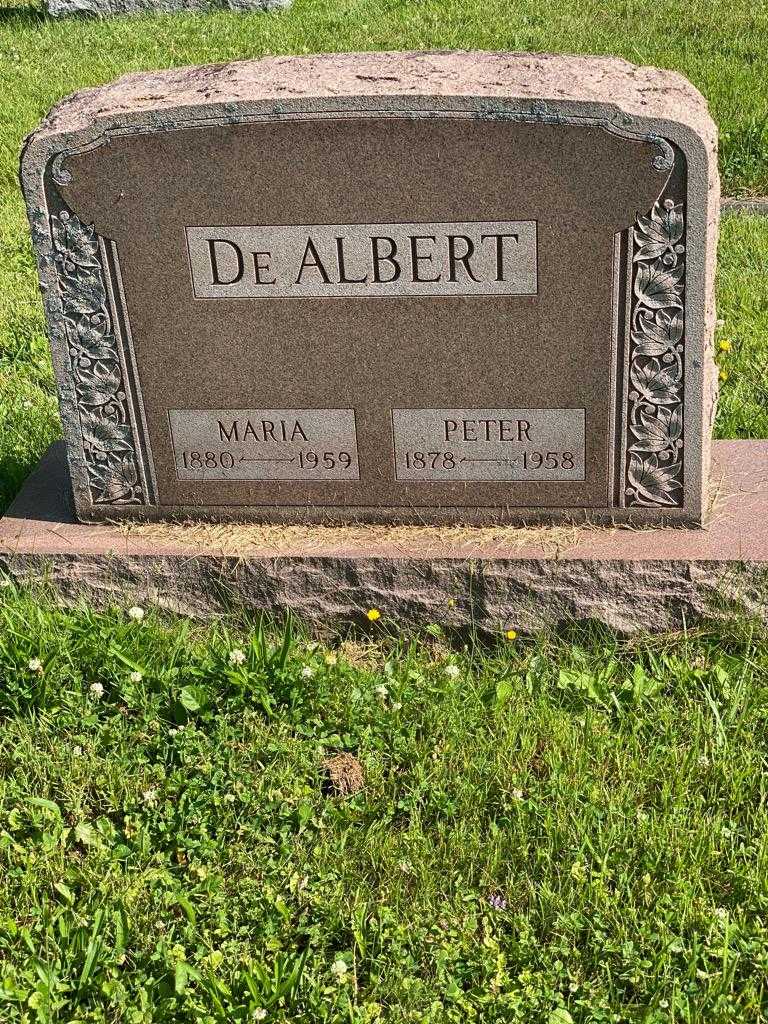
pixel 404 287
pixel 107 8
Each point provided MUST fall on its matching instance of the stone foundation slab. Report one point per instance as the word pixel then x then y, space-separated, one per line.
pixel 485 578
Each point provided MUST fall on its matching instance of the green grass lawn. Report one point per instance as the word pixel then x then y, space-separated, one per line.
pixel 551 830
pixel 555 829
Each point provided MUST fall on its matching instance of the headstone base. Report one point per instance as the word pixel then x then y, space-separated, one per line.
pixel 107 8
pixel 487 578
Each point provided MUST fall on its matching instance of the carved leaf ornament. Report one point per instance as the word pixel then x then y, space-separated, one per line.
pixel 655 411
pixel 108 444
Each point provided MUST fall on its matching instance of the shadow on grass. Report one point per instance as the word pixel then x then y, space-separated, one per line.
pixel 26 14
pixel 13 472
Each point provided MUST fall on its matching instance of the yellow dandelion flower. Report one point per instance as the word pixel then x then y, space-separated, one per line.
pixel 330 659
pixel 373 614
pixel 511 634
pixel 723 375
pixel 725 345
pixel 451 602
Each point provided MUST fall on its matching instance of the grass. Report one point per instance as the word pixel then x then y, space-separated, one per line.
pixel 567 828
pixel 562 829
pixel 742 303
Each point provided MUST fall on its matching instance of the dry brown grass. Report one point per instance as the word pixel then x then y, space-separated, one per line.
pixel 243 539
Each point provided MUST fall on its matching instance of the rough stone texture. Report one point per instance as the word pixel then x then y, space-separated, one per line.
pixel 102 155
pixel 490 579
pixel 106 8
pixel 757 207
pixel 638 91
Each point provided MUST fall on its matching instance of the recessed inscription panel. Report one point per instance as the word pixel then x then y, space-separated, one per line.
pixel 489 444
pixel 264 444
pixel 545 336
pixel 304 261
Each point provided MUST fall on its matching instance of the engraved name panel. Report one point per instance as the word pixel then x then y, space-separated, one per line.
pixel 264 444
pixel 489 444
pixel 477 258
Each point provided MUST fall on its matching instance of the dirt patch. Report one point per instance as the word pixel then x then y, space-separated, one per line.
pixel 344 775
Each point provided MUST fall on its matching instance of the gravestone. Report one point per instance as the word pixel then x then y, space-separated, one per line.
pixel 426 288
pixel 105 8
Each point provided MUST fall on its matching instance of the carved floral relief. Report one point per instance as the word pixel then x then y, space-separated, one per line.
pixel 655 398
pixel 108 441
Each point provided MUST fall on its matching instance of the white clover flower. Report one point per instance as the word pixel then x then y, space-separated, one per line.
pixel 26 404
pixel 135 677
pixel 396 705
pixel 339 969
pixel 136 613
pixel 259 1013
pixel 35 665
pixel 381 692
pixel 517 794
pixel 97 690
pixel 452 671
pixel 237 657
pixel 149 796
pixel 230 798
pixel 307 672
pixel 77 751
